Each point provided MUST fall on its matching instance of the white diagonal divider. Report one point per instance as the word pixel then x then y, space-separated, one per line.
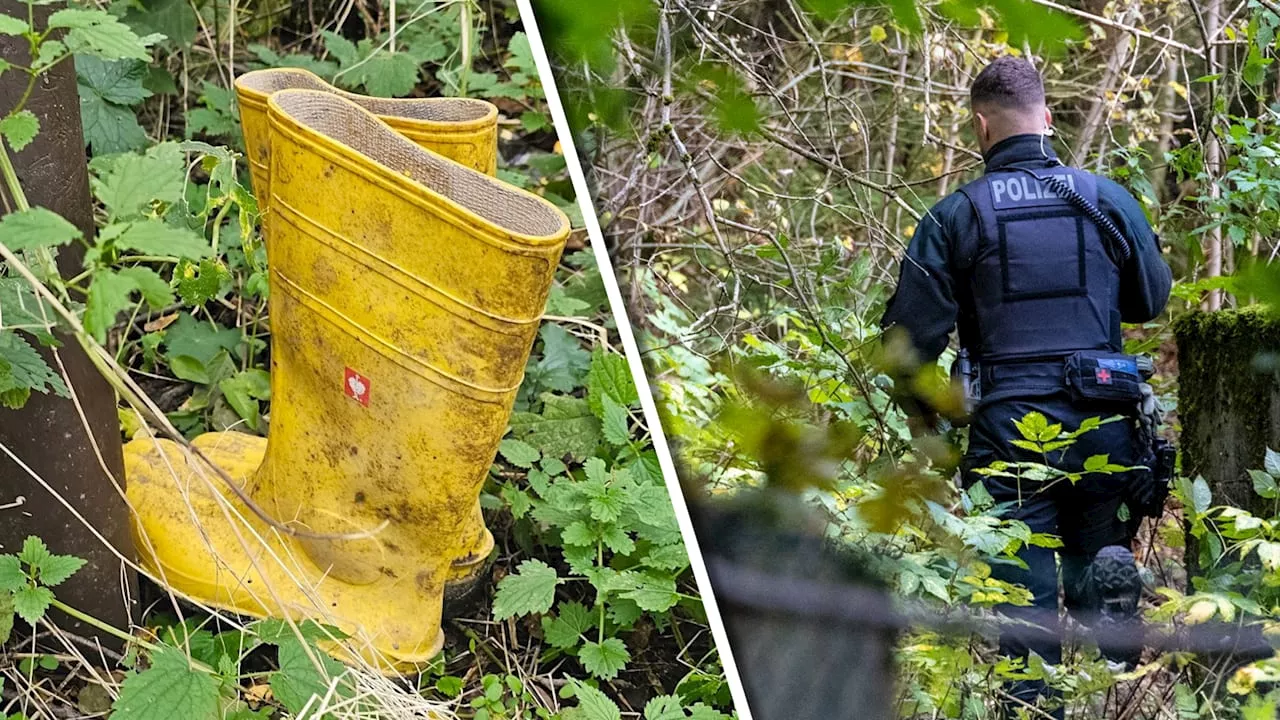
pixel 632 351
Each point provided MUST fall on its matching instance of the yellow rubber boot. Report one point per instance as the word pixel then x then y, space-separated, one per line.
pixel 406 291
pixel 464 130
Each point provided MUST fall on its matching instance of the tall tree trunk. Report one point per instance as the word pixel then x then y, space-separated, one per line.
pixel 1164 142
pixel 1212 158
pixel 1099 109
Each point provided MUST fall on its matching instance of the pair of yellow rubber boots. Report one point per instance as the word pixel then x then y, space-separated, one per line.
pixel 407 285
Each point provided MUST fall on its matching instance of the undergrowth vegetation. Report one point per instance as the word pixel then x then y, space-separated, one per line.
pixel 760 168
pixel 595 612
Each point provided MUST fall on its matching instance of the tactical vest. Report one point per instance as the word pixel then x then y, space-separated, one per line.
pixel 1043 285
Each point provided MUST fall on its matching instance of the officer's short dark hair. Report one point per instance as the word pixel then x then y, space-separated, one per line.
pixel 1009 82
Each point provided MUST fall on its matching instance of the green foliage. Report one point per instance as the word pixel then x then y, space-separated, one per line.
pixel 26 579
pixel 170 682
pixel 109 91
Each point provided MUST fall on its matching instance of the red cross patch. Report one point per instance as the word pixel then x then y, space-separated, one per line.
pixel 356 386
pixel 1103 376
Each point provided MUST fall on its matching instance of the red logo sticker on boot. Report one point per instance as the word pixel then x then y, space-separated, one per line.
pixel 356 386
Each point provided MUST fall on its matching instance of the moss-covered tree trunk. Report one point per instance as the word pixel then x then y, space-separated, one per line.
pixel 1228 400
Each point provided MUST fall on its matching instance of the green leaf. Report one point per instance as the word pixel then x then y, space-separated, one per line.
pixel 566 426
pixel 449 686
pixel 185 367
pixel 387 74
pixel 6 617
pixel 664 707
pixel 532 589
pixel 592 704
pixel 198 284
pixel 20 129
pixel 1031 426
pixel 342 49
pixel 1271 463
pixel 155 291
pixel 1201 496
pixel 22 309
pixel 155 237
pixel 616 423
pixel 170 682
pixel 12 576
pixel 519 453
pixel 109 295
pixel 109 128
pixel 10 25
pixel 276 630
pixel 610 375
pixel 22 368
pixel 577 534
pixel 298 679
pixel 1264 484
pixel 564 363
pixel 198 339
pixel 35 227
pixel 55 569
pixel 243 391
pixel 1094 463
pixel 133 182
pixel 604 659
pixel 654 594
pixel 115 81
pixel 30 603
pixel 173 19
pixel 97 32
pixel 34 551
pixel 566 629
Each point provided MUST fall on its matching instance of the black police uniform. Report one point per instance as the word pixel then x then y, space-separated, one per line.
pixel 1028 280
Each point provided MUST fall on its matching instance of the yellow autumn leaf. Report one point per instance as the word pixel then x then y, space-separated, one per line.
pixel 1201 611
pixel 1179 88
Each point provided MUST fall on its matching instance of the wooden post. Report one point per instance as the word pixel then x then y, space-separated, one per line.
pixel 80 458
pixel 812 633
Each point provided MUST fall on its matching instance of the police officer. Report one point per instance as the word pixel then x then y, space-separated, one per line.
pixel 1030 279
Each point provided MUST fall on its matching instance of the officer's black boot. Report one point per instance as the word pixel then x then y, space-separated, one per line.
pixel 1112 588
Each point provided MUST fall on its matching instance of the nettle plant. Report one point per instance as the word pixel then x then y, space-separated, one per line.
pixel 36 232
pixel 188 667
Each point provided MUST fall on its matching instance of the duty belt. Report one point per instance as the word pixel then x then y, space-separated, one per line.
pixel 1014 378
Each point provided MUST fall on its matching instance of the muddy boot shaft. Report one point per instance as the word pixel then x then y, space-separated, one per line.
pixel 406 292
